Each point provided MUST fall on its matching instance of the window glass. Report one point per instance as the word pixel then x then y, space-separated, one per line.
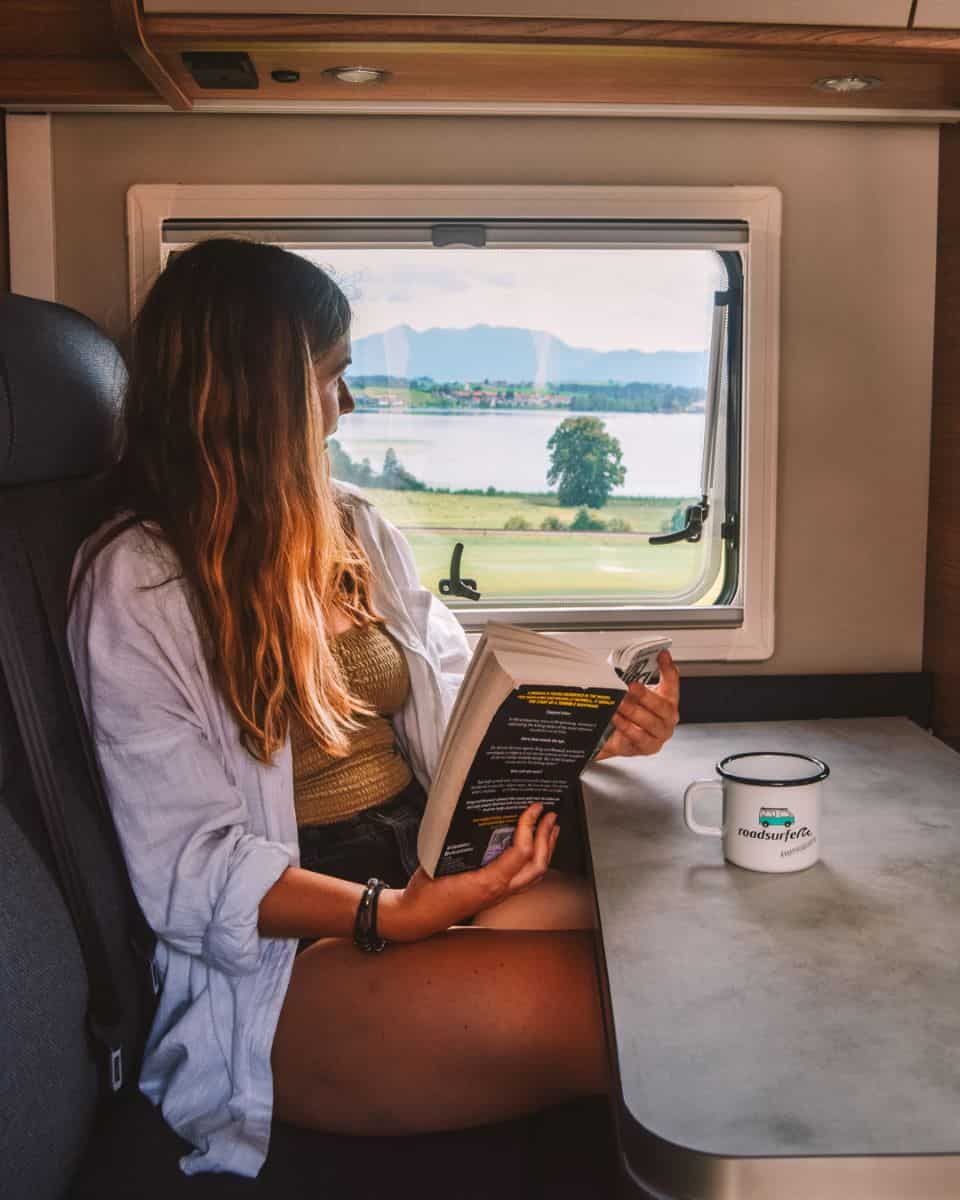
pixel 545 408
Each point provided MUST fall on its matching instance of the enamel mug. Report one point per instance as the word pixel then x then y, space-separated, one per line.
pixel 771 809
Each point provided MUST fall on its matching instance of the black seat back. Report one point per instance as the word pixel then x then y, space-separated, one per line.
pixel 60 383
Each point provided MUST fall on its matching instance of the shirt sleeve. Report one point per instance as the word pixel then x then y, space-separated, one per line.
pixel 442 633
pixel 197 868
pixel 448 643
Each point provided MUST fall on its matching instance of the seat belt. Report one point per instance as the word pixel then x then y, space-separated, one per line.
pixel 60 766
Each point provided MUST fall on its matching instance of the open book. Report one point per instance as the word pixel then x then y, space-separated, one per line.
pixel 530 713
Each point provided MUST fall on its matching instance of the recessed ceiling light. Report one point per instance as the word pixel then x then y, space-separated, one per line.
pixel 357 74
pixel 847 83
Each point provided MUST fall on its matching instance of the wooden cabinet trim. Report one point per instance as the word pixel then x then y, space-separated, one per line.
pixel 4 216
pixel 182 31
pixel 128 24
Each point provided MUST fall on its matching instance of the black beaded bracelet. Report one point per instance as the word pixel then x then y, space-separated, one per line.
pixel 365 934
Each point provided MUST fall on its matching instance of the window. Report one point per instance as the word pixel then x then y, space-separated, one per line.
pixel 564 397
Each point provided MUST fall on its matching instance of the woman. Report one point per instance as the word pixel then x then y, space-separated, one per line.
pixel 242 630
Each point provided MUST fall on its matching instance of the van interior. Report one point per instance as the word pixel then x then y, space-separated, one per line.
pixel 725 230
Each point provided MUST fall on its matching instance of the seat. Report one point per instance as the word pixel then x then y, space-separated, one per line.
pixel 61 1137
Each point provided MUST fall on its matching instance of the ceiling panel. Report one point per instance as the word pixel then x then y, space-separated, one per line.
pixel 578 74
pixel 868 13
pixel 937 14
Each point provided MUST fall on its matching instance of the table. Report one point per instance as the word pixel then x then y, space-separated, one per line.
pixel 788 1035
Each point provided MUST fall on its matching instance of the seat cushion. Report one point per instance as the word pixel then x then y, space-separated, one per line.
pixel 48 1082
pixel 563 1153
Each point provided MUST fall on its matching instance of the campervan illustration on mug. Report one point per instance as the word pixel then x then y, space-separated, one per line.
pixel 776 816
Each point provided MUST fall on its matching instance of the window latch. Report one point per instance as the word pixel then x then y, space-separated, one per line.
pixel 455 586
pixel 693 522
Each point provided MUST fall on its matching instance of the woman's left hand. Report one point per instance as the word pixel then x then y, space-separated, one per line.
pixel 647 716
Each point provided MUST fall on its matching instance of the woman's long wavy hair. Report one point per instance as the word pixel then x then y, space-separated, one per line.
pixel 222 447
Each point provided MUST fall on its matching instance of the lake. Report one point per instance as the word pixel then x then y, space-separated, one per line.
pixel 507 449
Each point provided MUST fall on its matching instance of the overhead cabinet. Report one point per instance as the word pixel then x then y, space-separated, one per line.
pixel 937 14
pixel 865 13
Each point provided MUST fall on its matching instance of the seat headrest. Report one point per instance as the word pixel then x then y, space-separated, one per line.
pixel 61 382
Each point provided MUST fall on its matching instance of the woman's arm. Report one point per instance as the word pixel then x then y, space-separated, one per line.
pixel 305 904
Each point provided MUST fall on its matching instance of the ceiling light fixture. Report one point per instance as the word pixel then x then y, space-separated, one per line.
pixel 357 74
pixel 847 83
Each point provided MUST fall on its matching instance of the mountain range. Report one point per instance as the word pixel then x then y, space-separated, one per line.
pixel 510 355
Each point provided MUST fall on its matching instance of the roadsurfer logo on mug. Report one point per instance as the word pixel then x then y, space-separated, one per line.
pixel 765 836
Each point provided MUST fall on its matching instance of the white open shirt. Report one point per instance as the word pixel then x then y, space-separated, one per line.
pixel 206 829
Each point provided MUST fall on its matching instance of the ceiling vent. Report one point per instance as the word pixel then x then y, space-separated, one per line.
pixel 221 69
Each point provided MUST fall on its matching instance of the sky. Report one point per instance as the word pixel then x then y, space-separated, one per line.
pixel 614 299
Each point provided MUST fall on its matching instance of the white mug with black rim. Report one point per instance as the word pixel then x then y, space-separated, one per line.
pixel 771 809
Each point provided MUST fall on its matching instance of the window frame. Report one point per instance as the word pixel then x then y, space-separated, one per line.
pixel 150 205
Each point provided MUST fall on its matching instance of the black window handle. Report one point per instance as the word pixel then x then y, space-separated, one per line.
pixel 693 522
pixel 455 586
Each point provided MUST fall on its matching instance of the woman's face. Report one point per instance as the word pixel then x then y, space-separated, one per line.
pixel 333 394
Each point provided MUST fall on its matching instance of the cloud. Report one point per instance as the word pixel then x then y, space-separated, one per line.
pixel 424 278
pixel 606 299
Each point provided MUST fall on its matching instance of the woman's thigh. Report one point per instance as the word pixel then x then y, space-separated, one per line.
pixel 558 901
pixel 470 1026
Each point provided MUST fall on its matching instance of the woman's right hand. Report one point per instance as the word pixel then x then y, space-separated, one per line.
pixel 426 906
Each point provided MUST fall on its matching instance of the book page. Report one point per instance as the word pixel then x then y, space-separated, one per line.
pixel 636 662
pixel 489 684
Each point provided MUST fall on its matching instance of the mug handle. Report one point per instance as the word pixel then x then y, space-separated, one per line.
pixel 699 785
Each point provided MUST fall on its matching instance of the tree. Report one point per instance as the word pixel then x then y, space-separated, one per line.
pixel 343 467
pixel 396 476
pixel 586 461
pixel 583 522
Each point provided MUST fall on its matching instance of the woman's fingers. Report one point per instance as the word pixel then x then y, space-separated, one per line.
pixel 647 716
pixel 636 722
pixel 648 699
pixel 427 905
pixel 639 725
pixel 528 856
pixel 628 740
pixel 669 685
pixel 545 841
pixel 521 847
pixel 652 700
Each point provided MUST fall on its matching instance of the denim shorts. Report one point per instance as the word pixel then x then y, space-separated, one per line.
pixel 379 841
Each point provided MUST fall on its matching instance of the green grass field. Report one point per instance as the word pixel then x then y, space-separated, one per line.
pixel 615 567
pixel 618 568
pixel 434 510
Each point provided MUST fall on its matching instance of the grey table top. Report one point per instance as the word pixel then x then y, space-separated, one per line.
pixel 790 1016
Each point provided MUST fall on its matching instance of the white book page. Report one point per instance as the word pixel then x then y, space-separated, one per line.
pixel 512 637
pixel 480 653
pixel 491 687
pixel 636 662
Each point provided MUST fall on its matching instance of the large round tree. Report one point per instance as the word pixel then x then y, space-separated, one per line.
pixel 586 461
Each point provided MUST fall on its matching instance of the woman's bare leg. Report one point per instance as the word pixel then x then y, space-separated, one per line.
pixel 558 901
pixel 470 1026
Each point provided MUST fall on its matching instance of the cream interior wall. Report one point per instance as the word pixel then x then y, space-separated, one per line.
pixel 858 269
